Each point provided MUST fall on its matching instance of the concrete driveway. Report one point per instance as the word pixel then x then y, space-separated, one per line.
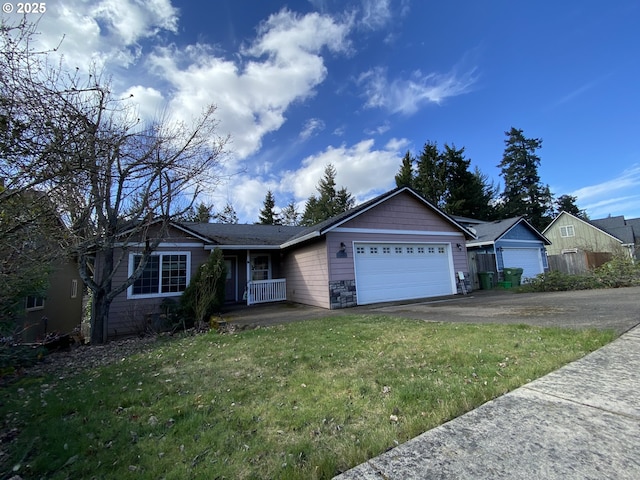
pixel 617 309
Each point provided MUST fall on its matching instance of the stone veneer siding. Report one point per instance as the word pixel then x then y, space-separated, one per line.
pixel 343 294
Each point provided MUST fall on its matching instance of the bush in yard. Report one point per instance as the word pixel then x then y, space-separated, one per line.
pixel 621 271
pixel 205 294
pixel 559 282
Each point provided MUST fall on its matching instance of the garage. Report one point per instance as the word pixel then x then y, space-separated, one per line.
pixel 528 259
pixel 401 271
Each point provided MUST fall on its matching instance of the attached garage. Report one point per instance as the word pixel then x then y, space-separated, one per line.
pixel 529 259
pixel 401 271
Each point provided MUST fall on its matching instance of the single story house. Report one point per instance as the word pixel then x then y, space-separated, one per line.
pixel 396 246
pixel 614 235
pixel 512 243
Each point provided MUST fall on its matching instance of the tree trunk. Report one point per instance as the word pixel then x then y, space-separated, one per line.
pixel 102 296
pixel 100 317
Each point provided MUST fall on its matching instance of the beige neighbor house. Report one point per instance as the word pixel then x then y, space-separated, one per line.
pixel 589 243
pixel 59 311
pixel 396 246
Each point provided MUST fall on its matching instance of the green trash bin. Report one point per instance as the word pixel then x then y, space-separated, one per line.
pixel 486 280
pixel 513 275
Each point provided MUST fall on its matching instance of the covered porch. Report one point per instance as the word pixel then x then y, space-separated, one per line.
pixel 253 276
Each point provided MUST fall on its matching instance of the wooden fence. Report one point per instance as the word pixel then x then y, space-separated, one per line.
pixel 578 262
pixel 481 262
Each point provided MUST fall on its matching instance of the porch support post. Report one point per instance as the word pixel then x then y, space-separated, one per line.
pixel 248 266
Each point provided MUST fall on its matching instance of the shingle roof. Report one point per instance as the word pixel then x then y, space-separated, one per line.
pixel 619 227
pixel 489 232
pixel 280 235
pixel 237 234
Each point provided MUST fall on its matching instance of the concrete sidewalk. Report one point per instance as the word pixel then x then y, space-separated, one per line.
pixel 579 422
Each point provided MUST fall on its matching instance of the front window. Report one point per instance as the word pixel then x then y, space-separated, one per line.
pixel 260 267
pixel 164 274
pixel 34 303
pixel 567 231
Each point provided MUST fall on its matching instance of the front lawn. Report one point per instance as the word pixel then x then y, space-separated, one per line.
pixel 298 401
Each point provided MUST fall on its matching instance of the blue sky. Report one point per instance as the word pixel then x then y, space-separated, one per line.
pixel 304 83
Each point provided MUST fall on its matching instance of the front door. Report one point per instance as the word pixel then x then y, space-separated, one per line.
pixel 231 285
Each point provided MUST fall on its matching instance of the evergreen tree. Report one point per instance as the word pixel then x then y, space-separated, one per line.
pixel 404 178
pixel 311 214
pixel 430 179
pixel 201 214
pixel 290 215
pixel 458 180
pixel 344 201
pixel 268 215
pixel 524 194
pixel 567 203
pixel 227 215
pixel 482 196
pixel 329 202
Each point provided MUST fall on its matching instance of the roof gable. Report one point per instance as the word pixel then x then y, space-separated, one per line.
pixel 589 223
pixel 490 232
pixel 339 220
pixel 281 236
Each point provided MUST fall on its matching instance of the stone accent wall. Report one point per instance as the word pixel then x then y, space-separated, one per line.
pixel 343 294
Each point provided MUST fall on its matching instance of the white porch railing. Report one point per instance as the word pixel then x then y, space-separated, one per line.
pixel 263 291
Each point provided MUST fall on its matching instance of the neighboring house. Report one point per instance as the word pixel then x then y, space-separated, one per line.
pixel 571 235
pixel 395 247
pixel 29 246
pixel 59 311
pixel 510 243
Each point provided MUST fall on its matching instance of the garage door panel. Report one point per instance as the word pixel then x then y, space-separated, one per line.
pixel 387 272
pixel 526 258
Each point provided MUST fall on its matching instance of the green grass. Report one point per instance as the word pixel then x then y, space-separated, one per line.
pixel 298 401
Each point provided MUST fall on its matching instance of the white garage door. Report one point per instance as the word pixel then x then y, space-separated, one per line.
pixel 528 259
pixel 401 271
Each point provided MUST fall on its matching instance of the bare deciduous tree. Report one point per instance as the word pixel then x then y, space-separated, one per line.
pixel 117 181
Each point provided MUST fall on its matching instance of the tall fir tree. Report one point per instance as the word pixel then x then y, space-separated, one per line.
pixel 227 214
pixel 329 201
pixel 444 179
pixel 524 194
pixel 268 215
pixel 457 179
pixel 290 215
pixel 430 178
pixel 482 197
pixel 567 203
pixel 201 214
pixel 405 176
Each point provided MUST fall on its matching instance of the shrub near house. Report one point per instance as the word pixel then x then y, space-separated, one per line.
pixel 619 272
pixel 204 296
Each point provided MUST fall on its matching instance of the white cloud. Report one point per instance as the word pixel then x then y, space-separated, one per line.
pixel 149 101
pixel 379 130
pixel 407 96
pixel 618 196
pixel 106 32
pixel 311 127
pixel 284 65
pixel 359 167
pixel 375 14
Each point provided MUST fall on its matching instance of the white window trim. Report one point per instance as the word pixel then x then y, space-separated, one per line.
pixel 567 233
pixel 130 294
pixel 39 303
pixel 252 258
